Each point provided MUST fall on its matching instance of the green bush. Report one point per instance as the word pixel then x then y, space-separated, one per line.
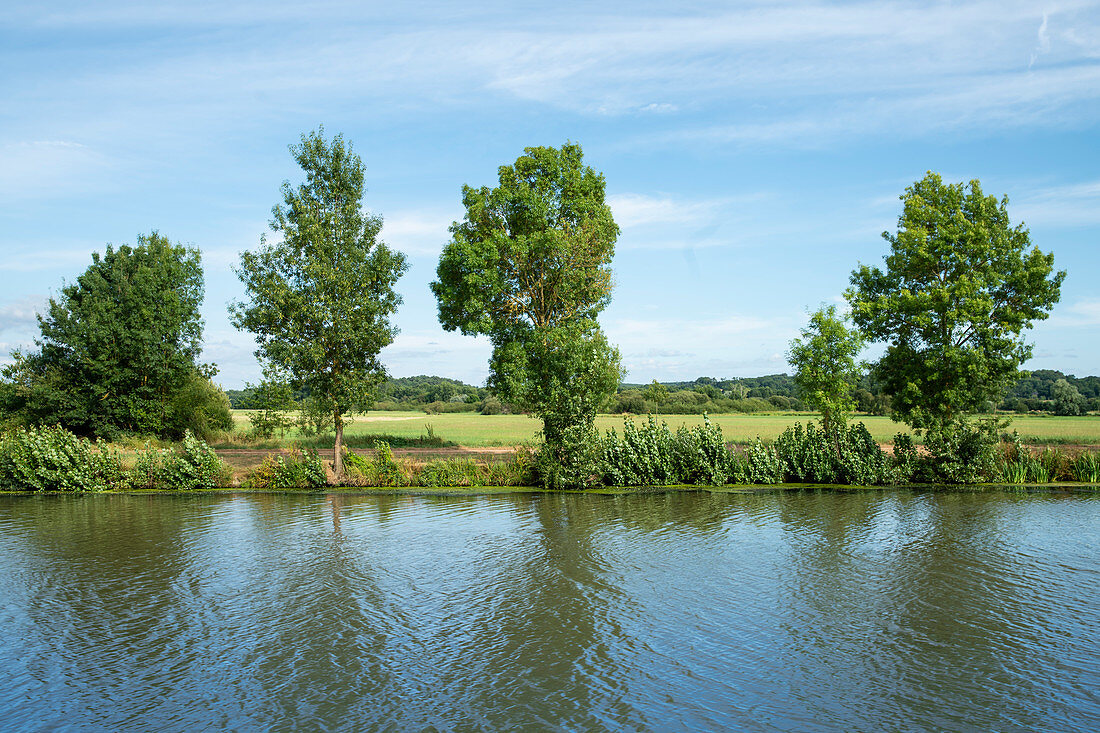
pixel 575 462
pixel 701 456
pixel 289 469
pixel 643 457
pixel 762 465
pixel 960 453
pixel 53 459
pixel 383 470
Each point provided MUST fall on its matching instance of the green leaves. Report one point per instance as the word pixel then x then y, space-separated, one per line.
pixel 120 344
pixel 319 300
pixel 825 367
pixel 960 286
pixel 529 266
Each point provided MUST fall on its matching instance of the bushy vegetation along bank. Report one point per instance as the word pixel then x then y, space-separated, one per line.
pixel 652 454
pixel 646 455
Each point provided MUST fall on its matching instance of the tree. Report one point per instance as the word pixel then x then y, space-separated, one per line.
pixel 961 284
pixel 825 366
pixel 529 266
pixel 656 393
pixel 119 347
pixel 1067 399
pixel 272 400
pixel 321 298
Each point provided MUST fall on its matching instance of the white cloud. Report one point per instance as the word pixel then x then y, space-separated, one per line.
pixel 48 168
pixel 1082 314
pixel 21 315
pixel 639 210
pixel 420 231
pixel 1068 205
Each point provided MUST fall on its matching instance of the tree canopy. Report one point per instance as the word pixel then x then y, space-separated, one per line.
pixel 529 266
pixel 825 366
pixel 961 285
pixel 119 347
pixel 320 299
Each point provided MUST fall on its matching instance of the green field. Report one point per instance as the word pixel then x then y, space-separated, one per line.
pixel 474 430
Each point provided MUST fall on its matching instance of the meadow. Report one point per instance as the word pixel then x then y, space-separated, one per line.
pixel 474 430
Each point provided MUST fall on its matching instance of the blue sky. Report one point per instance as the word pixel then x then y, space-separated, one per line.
pixel 754 152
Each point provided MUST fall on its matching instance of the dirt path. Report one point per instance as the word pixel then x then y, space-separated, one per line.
pixel 249 457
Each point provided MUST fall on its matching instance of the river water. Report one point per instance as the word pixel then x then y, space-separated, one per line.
pixel 685 611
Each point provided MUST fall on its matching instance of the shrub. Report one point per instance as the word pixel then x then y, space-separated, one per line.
pixel 289 469
pixel 762 464
pixel 383 470
pixel 643 457
pixel 53 459
pixel 576 461
pixel 960 452
pixel 701 455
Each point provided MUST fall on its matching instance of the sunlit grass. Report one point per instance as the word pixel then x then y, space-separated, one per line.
pixel 475 430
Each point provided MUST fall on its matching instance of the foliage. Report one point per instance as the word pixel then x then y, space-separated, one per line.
pixel 201 408
pixel 849 455
pixel 194 466
pixel 1067 399
pixel 654 455
pixel 272 400
pixel 762 464
pixel 118 348
pixel 54 459
pixel 656 393
pixel 961 284
pixel 825 367
pixel 289 469
pixel 320 300
pixel 960 452
pixel 529 266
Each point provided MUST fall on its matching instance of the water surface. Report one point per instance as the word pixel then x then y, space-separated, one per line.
pixel 683 611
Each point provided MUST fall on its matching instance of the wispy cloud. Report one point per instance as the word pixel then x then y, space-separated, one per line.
pixel 46 168
pixel 1067 205
pixel 419 231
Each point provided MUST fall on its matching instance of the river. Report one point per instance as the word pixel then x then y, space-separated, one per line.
pixel 773 611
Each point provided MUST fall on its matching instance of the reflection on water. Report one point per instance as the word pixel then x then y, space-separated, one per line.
pixel 678 611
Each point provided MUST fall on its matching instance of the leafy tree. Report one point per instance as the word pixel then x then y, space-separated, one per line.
pixel 529 266
pixel 825 367
pixel 320 300
pixel 119 347
pixel 272 400
pixel 961 284
pixel 1067 399
pixel 656 393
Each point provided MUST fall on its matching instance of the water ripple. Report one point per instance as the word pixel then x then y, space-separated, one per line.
pixel 682 611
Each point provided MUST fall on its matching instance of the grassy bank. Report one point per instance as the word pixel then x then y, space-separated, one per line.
pixel 475 430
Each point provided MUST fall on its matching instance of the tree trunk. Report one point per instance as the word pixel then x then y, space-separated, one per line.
pixel 338 454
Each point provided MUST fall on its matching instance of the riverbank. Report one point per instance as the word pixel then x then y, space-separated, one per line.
pixel 1059 487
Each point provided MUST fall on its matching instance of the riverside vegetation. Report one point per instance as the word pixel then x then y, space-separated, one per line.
pixel 648 454
pixel 529 266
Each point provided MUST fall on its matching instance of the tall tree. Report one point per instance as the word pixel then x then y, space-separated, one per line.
pixel 826 367
pixel 119 347
pixel 961 285
pixel 320 300
pixel 529 266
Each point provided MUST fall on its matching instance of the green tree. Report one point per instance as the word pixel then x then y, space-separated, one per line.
pixel 961 284
pixel 273 399
pixel 656 393
pixel 825 366
pixel 529 266
pixel 1067 399
pixel 319 300
pixel 119 347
